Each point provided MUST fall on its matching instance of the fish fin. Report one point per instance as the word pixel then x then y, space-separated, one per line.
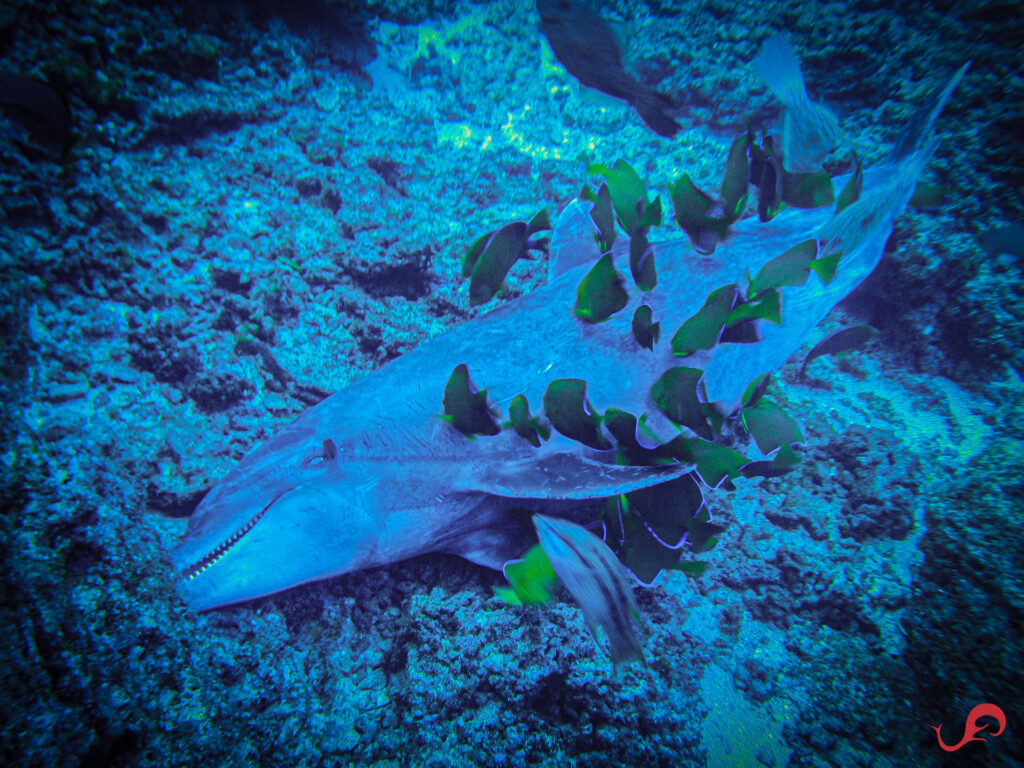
pixel 915 134
pixel 574 240
pixel 779 67
pixel 871 216
pixel 652 107
pixel 564 475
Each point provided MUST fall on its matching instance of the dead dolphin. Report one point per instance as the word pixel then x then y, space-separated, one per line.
pixel 374 474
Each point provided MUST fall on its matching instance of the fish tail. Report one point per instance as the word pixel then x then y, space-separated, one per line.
pixel 917 142
pixel 652 107
pixel 912 152
pixel 918 130
pixel 779 67
pixel 859 231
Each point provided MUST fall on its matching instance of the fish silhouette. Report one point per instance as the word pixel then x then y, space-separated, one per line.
pixel 587 48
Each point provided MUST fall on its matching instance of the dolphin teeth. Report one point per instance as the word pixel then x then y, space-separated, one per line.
pixel 221 549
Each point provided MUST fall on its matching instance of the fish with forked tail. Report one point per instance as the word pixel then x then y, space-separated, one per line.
pixel 809 129
pixel 587 48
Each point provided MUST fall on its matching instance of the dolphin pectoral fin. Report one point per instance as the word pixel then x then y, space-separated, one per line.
pixel 506 539
pixel 568 476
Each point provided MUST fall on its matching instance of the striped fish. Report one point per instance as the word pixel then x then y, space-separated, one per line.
pixel 809 130
pixel 597 581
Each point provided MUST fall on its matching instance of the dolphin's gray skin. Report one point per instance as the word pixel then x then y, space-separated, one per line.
pixel 373 475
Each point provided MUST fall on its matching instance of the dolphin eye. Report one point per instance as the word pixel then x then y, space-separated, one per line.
pixel 328 452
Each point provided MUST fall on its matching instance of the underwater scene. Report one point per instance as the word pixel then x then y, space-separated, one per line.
pixel 555 383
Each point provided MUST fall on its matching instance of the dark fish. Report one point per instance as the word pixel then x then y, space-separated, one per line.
pixel 840 341
pixel 928 197
pixel 36 105
pixel 587 48
pixel 1008 239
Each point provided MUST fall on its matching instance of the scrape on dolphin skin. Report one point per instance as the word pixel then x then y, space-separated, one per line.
pixel 373 474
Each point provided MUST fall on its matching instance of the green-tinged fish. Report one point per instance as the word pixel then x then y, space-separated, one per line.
pixel 588 49
pixel 839 341
pixel 809 130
